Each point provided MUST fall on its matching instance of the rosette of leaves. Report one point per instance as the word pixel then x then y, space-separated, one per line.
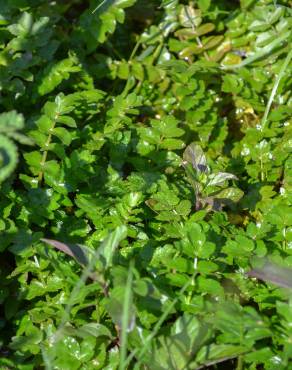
pixel 207 184
pixel 10 123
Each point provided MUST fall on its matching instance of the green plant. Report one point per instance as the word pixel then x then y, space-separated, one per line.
pixel 204 182
pixel 10 123
pixel 145 184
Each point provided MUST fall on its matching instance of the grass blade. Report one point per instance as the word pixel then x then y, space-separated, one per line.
pixel 275 88
pixel 125 318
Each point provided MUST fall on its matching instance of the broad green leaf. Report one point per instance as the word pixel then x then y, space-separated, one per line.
pixel 216 353
pixel 67 121
pixel 63 134
pixel 233 194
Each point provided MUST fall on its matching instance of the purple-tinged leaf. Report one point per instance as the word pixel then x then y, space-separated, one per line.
pixel 195 156
pixel 270 272
pixel 74 250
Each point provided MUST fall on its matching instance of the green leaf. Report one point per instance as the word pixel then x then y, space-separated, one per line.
pixel 67 121
pixel 110 243
pixel 54 74
pixel 11 122
pixel 204 4
pixel 262 52
pixel 233 194
pixel 125 241
pixel 210 286
pixel 190 17
pixel 219 178
pixel 8 157
pixel 63 134
pixel 172 144
pixel 216 353
pixel 245 243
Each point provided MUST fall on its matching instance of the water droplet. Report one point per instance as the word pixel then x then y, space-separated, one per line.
pixel 276 359
pixel 245 151
pixel 49 192
pixel 36 261
pixel 262 144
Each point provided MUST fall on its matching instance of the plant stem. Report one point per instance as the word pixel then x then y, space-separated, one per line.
pixel 239 363
pixel 157 326
pixel 45 153
pixel 125 318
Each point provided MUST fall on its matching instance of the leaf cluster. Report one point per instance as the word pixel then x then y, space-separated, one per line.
pixel 145 184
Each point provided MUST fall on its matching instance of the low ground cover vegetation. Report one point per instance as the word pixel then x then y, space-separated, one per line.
pixel 145 184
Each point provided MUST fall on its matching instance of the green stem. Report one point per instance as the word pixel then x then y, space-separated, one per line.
pixel 157 326
pixel 135 50
pixel 198 40
pixel 45 153
pixel 239 363
pixel 275 88
pixel 262 170
pixel 266 50
pixel 98 6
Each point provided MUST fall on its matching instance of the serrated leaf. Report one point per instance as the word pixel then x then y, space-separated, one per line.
pixel 54 74
pixel 11 121
pixel 63 134
pixel 67 121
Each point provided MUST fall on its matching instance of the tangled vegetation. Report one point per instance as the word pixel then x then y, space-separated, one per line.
pixel 145 184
